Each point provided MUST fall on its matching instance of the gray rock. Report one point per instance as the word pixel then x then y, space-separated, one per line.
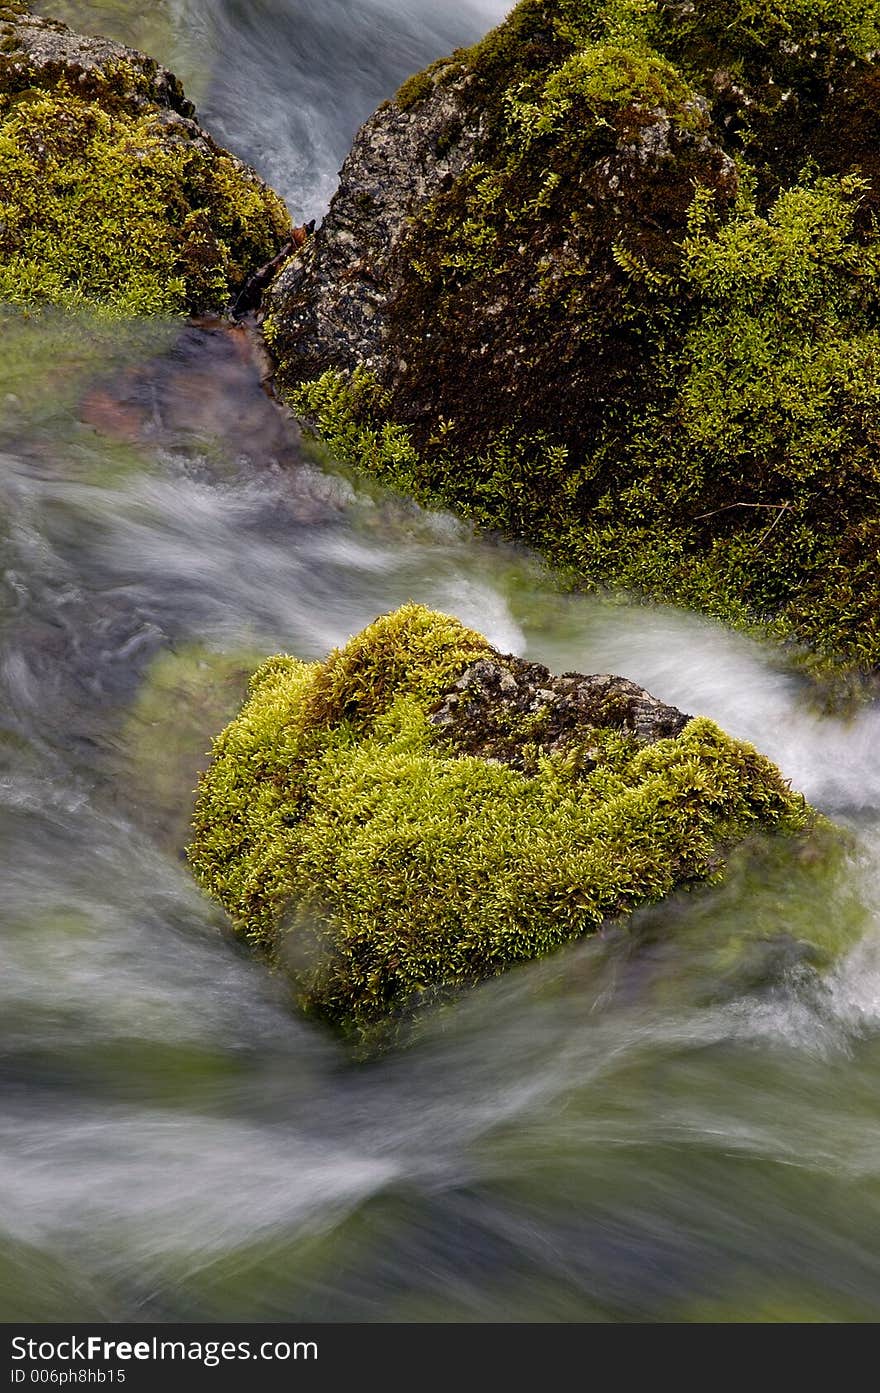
pixel 41 52
pixel 330 300
pixel 505 709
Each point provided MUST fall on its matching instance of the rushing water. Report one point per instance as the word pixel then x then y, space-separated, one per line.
pixel 634 1128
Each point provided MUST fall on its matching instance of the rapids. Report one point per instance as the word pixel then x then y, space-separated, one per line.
pixel 630 1130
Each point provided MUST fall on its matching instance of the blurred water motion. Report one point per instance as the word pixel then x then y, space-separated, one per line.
pixel 630 1130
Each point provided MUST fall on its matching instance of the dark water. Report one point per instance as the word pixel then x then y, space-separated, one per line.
pixel 638 1128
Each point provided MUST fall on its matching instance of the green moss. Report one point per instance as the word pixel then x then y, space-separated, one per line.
pixel 102 207
pixel 497 488
pixel 749 487
pixel 410 652
pixel 640 330
pixel 595 85
pixel 382 867
pixel 752 490
pixel 421 84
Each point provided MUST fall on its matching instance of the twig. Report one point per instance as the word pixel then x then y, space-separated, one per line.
pixel 764 535
pixel 728 506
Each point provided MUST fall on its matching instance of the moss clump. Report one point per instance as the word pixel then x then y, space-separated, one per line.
pixel 382 867
pixel 108 198
pixel 411 652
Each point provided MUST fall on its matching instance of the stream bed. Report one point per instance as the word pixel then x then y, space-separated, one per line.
pixel 633 1129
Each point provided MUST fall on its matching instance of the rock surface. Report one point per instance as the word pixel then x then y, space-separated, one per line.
pixel 515 712
pixel 110 191
pixel 333 298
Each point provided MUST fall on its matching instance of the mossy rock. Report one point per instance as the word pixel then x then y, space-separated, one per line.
pixel 110 193
pixel 608 281
pixel 420 812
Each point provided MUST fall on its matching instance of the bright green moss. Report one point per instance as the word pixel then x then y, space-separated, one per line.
pixel 753 489
pixel 701 36
pixel 421 84
pixel 381 868
pixel 101 207
pixel 806 32
pixel 411 652
pixel 252 798
pixel 598 81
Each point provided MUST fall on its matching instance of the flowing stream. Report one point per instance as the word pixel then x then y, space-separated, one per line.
pixel 638 1128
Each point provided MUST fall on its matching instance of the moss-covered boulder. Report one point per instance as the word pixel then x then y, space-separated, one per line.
pixel 110 192
pixel 609 281
pixel 420 812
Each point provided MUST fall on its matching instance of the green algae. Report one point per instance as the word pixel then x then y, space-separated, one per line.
pixel 163 743
pixel 53 358
pixel 382 868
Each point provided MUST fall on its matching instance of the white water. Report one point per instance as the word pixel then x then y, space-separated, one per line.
pixel 628 1130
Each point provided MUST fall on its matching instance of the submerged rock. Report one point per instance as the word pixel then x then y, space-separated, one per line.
pixel 160 749
pixel 420 812
pixel 110 192
pixel 610 281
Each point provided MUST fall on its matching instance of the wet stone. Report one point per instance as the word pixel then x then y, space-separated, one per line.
pixel 510 710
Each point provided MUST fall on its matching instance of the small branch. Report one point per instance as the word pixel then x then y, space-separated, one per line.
pixel 764 535
pixel 728 506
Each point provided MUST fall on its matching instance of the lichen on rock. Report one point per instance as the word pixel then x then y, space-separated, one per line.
pixel 608 281
pixel 420 812
pixel 110 193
